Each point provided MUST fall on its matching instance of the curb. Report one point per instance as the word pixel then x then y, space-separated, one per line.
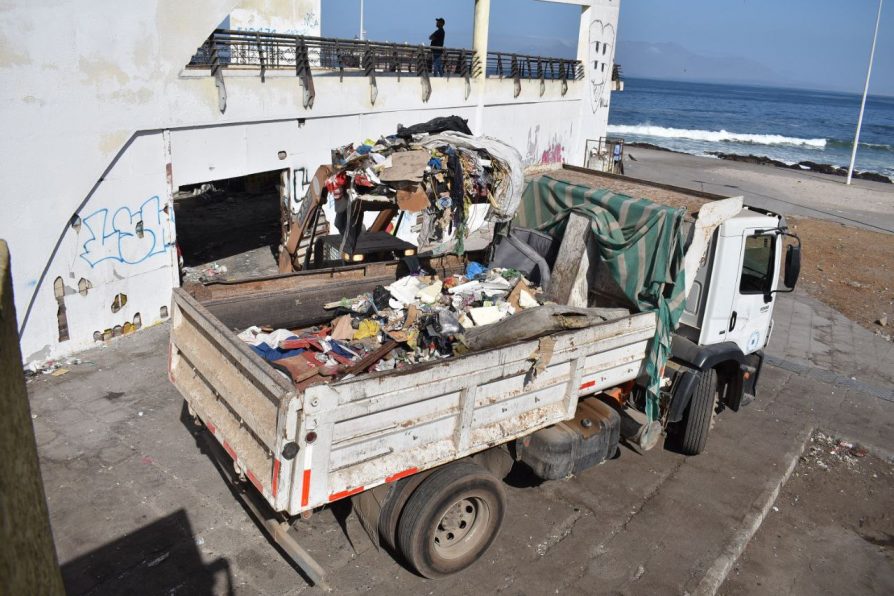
pixel 760 507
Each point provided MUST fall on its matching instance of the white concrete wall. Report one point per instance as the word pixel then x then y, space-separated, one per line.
pixel 295 17
pixel 98 109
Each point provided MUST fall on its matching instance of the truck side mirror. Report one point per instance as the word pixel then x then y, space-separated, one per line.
pixel 792 265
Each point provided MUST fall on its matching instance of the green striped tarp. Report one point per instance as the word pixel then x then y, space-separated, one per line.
pixel 641 244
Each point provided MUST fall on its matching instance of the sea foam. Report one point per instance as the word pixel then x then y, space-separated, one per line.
pixel 712 136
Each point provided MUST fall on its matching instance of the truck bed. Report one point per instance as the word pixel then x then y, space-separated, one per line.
pixel 357 433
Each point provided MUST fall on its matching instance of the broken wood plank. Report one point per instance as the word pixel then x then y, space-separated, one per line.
pixel 568 281
pixel 373 357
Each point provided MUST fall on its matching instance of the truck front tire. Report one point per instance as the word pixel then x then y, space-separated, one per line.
pixel 451 519
pixel 693 429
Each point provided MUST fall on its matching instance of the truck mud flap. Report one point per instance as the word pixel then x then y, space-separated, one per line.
pixel 682 394
pixel 739 386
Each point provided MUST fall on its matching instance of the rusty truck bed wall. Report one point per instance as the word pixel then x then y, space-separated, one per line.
pixel 361 432
pixel 378 428
pixel 240 398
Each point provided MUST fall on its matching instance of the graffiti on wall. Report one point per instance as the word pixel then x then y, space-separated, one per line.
pixel 553 153
pixel 125 235
pixel 545 151
pixel 250 20
pixel 602 58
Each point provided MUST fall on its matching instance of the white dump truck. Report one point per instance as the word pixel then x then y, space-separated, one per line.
pixel 422 451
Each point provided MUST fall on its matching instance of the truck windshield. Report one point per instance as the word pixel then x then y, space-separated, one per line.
pixel 757 266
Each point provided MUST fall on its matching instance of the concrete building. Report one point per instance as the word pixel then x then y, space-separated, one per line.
pixel 104 122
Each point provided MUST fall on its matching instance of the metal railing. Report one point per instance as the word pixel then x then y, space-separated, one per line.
pixel 616 73
pixel 274 51
pixel 228 49
pixel 523 66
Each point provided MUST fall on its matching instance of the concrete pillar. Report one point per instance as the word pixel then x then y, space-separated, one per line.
pixel 479 33
pixel 27 555
pixel 583 40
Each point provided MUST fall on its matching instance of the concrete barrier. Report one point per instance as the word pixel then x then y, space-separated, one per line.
pixel 27 556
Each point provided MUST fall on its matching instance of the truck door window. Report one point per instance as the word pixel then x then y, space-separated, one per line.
pixel 757 266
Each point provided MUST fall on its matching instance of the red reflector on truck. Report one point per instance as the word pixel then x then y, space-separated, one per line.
pixel 211 427
pixel 305 488
pixel 399 475
pixel 587 385
pixel 275 482
pixel 230 450
pixel 345 493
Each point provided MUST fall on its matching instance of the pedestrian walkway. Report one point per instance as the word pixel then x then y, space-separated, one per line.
pixel 808 333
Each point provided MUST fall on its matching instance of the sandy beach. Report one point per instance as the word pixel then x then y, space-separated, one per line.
pixel 864 204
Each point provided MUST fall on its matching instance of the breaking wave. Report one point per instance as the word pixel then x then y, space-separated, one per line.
pixel 873 146
pixel 713 136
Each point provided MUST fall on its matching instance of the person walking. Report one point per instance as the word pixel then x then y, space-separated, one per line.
pixel 437 41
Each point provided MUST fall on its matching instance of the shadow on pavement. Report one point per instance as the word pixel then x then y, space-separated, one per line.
pixel 160 557
pixel 204 440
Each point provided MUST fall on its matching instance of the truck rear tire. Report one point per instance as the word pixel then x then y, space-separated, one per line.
pixel 696 421
pixel 393 506
pixel 451 519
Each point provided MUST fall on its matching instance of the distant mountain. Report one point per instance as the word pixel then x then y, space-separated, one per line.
pixel 673 61
pixel 535 45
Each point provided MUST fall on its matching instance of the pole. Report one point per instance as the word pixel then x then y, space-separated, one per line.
pixel 362 30
pixel 850 170
pixel 480 32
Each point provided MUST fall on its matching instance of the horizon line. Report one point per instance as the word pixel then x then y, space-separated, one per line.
pixel 765 85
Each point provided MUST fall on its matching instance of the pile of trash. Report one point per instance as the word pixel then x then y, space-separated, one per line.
pixel 210 273
pixel 435 169
pixel 415 319
pixel 55 368
pixel 826 451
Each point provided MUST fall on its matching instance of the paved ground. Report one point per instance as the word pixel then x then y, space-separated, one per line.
pixel 865 204
pixel 836 505
pixel 813 339
pixel 137 507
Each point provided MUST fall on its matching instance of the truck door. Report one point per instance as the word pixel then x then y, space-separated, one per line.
pixel 721 287
pixel 752 312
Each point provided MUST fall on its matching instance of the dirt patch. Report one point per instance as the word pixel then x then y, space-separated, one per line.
pixel 849 269
pixel 830 531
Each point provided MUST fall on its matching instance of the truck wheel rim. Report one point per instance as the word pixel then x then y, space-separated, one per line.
pixel 461 528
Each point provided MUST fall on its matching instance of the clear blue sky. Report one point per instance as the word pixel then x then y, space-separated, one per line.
pixel 820 44
pixel 523 26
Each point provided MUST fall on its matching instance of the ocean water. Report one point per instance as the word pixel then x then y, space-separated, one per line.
pixel 788 125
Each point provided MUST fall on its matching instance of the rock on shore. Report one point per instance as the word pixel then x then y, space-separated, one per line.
pixel 822 168
pixel 811 166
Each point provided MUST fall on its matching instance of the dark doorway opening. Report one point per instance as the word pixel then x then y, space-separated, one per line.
pixel 229 229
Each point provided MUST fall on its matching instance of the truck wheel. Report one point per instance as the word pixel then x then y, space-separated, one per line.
pixel 697 420
pixel 393 506
pixel 451 519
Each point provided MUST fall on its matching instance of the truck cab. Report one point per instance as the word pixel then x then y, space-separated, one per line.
pixel 717 351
